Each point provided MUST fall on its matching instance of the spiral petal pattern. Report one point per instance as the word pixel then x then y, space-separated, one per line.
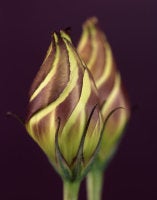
pixel 63 88
pixel 96 52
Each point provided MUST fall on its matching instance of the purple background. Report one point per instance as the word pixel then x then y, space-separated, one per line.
pixel 25 29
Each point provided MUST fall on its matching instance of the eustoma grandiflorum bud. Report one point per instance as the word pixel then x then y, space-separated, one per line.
pixel 96 52
pixel 63 112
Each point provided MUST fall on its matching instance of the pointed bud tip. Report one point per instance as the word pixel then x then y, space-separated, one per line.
pixel 62 34
pixel 55 36
pixel 91 22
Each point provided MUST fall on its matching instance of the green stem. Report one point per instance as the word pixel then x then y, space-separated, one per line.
pixel 94 184
pixel 70 190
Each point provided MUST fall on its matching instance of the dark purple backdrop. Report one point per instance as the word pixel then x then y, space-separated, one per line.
pixel 25 31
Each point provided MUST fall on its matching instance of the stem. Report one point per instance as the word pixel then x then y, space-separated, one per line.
pixel 70 190
pixel 94 183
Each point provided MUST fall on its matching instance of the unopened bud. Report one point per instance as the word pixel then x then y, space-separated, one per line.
pixel 63 112
pixel 96 52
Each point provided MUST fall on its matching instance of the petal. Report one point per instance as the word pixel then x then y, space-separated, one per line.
pixel 96 52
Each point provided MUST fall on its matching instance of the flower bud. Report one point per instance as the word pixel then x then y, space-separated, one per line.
pixel 96 52
pixel 63 113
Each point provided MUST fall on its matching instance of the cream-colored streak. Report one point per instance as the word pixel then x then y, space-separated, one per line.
pixel 92 140
pixel 83 40
pixel 48 52
pixel 94 45
pixel 107 68
pixel 50 74
pixel 72 82
pixel 78 112
pixel 80 108
pixel 110 100
pixel 95 49
pixel 66 36
pixel 113 94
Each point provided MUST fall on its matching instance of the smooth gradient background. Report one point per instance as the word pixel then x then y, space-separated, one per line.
pixel 25 33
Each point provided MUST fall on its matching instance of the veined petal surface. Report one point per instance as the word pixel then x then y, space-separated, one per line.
pixel 97 54
pixel 63 89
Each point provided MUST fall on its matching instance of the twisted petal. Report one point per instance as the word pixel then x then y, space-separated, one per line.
pixel 116 124
pixel 96 52
pixel 63 88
